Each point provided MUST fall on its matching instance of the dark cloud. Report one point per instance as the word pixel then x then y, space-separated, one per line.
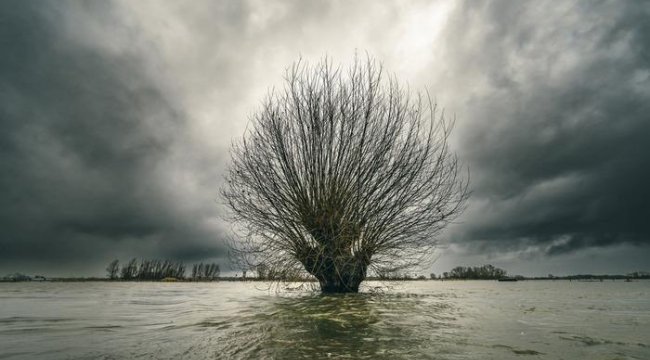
pixel 117 117
pixel 555 123
pixel 85 135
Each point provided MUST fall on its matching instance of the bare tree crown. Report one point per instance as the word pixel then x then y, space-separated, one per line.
pixel 343 167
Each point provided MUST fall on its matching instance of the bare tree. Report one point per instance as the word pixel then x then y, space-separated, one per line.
pixel 341 172
pixel 158 269
pixel 129 271
pixel 206 271
pixel 113 269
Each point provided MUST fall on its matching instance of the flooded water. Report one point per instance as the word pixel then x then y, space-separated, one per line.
pixel 414 320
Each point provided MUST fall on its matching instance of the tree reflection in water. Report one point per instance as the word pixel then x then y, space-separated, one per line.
pixel 339 326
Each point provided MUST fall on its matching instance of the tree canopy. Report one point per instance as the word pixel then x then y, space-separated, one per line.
pixel 341 171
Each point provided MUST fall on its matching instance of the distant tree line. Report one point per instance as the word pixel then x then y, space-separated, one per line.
pixel 639 275
pixel 395 275
pixel 157 269
pixel 264 272
pixel 485 272
pixel 205 271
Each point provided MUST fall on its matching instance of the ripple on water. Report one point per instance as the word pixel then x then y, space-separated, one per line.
pixel 438 320
pixel 358 326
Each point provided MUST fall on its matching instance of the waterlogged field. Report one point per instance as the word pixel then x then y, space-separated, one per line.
pixel 426 319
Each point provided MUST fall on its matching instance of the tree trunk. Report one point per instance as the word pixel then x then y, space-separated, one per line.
pixel 339 284
pixel 337 274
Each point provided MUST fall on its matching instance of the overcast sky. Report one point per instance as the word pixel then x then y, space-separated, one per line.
pixel 117 118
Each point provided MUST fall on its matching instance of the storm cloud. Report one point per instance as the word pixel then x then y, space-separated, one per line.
pixel 89 144
pixel 556 123
pixel 117 117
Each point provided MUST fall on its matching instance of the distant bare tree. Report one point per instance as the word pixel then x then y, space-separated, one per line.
pixel 262 271
pixel 157 269
pixel 205 271
pixel 195 272
pixel 113 269
pixel 342 172
pixel 129 271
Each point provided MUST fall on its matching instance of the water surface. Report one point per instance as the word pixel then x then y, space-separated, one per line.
pixel 412 320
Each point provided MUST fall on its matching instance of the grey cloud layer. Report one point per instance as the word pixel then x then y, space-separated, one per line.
pixel 86 136
pixel 557 127
pixel 117 116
